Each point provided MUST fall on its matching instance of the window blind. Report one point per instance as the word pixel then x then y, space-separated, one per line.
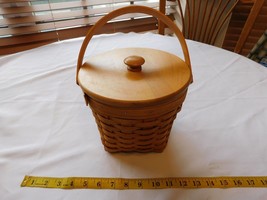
pixel 25 24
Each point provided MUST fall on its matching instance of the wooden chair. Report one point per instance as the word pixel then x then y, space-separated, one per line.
pixel 247 24
pixel 204 20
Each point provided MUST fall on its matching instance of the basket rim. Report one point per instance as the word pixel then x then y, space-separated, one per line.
pixel 135 104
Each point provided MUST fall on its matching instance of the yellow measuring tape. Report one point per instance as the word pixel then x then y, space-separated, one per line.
pixel 143 183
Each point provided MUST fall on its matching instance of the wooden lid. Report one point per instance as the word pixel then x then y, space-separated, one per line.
pixel 133 75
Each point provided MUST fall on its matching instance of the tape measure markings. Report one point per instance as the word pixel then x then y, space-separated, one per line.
pixel 143 183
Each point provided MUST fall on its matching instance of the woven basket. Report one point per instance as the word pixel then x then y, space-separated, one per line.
pixel 127 126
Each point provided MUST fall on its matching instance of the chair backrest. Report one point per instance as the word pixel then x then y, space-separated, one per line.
pixel 248 23
pixel 203 20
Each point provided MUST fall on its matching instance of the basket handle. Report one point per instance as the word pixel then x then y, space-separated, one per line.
pixel 133 9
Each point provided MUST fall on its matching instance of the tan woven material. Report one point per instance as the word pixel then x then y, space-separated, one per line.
pixel 143 122
pixel 143 129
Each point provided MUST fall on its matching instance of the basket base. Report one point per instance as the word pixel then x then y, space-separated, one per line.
pixel 135 150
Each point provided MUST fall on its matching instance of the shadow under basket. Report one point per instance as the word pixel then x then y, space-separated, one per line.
pixel 138 129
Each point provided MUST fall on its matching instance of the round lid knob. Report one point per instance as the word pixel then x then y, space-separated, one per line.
pixel 134 63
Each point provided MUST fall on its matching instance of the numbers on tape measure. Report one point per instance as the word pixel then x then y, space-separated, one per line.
pixel 143 183
pixel 140 184
pixel 155 184
pixel 169 183
pixel 264 182
pixel 251 182
pixel 210 183
pixel 183 183
pixel 224 182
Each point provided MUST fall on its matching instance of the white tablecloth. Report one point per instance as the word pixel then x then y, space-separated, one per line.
pixel 46 129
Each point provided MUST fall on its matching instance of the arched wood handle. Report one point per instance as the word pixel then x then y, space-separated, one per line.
pixel 132 9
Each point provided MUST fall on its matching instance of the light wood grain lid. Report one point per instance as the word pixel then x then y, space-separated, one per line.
pixel 105 77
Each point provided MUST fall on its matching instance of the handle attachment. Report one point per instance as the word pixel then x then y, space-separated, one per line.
pixel 133 9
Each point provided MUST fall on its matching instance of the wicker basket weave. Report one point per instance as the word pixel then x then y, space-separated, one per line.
pixel 143 127
pixel 139 130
